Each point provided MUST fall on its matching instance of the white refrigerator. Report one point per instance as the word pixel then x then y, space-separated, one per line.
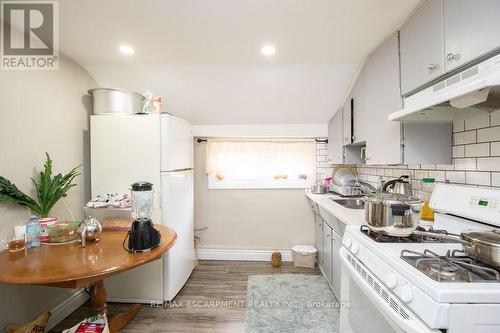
pixel 158 149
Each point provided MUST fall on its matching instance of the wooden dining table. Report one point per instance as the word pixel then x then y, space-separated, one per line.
pixel 74 266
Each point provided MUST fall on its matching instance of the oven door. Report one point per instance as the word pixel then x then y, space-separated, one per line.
pixel 368 306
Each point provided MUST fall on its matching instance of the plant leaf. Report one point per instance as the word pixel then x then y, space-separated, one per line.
pixel 9 193
pixel 49 189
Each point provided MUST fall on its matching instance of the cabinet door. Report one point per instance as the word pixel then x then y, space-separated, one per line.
pixel 337 264
pixel 327 252
pixel 360 106
pixel 319 239
pixel 335 146
pixel 422 53
pixel 346 121
pixel 471 29
pixel 383 137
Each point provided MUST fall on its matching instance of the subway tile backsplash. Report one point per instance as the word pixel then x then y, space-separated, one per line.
pixel 323 168
pixel 476 158
pixel 463 138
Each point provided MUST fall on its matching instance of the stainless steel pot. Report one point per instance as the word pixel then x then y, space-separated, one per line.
pixel 390 212
pixel 483 245
pixel 116 101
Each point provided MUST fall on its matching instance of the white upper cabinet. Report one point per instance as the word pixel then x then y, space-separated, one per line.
pixel 360 107
pixel 377 94
pixel 471 29
pixel 422 46
pixel 443 35
pixel 335 139
pixel 383 96
pixel 346 121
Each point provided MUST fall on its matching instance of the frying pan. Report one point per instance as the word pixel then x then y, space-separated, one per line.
pixel 483 245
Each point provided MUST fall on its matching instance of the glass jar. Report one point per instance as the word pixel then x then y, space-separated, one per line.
pixel 427 213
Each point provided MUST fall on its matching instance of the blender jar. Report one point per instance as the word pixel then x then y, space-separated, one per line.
pixel 142 200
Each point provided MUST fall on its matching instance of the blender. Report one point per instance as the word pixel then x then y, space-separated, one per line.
pixel 142 235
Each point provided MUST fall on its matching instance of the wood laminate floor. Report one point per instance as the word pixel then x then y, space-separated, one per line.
pixel 211 301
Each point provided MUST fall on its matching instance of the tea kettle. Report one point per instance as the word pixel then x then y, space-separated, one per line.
pixel 89 231
pixel 400 185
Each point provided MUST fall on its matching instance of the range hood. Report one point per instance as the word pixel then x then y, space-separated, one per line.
pixel 466 94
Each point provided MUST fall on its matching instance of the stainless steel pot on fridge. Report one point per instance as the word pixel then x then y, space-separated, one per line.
pixel 395 214
pixel 116 101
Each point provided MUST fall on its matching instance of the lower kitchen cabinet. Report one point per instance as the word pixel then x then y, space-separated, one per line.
pixel 319 239
pixel 336 263
pixel 327 252
pixel 328 230
pixel 332 239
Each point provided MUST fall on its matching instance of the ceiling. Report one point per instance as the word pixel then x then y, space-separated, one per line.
pixel 204 56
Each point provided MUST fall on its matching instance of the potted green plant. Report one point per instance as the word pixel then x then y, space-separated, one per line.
pixel 49 189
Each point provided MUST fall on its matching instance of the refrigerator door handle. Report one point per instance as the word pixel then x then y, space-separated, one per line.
pixel 178 170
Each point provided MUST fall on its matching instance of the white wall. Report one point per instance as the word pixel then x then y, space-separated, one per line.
pixel 262 131
pixel 268 219
pixel 42 111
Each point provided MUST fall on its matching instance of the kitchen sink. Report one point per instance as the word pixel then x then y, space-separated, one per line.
pixel 352 203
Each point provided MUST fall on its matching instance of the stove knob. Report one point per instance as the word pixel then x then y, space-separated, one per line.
pixel 391 281
pixel 406 294
pixel 347 241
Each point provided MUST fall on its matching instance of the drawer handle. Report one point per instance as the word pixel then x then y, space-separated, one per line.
pixel 452 56
pixel 432 67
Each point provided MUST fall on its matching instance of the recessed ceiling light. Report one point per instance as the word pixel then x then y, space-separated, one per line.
pixel 126 49
pixel 268 50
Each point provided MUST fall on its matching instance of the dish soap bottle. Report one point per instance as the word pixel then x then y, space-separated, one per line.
pixel 427 213
pixel 33 232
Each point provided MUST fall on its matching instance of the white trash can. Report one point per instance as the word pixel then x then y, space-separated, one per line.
pixel 304 256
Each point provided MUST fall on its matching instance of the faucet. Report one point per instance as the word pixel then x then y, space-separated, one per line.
pixel 365 186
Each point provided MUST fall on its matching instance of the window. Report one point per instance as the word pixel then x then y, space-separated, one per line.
pixel 233 164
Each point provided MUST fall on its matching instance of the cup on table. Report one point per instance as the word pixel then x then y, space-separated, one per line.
pixel 15 241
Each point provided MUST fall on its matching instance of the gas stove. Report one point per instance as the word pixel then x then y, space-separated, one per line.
pixel 453 266
pixel 433 283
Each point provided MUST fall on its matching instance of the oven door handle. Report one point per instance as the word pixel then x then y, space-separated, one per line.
pixel 410 326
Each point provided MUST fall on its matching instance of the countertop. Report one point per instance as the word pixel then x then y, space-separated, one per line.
pixel 346 215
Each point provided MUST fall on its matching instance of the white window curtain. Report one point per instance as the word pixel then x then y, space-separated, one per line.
pixel 261 160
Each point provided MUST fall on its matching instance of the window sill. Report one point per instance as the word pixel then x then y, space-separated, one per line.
pixel 214 184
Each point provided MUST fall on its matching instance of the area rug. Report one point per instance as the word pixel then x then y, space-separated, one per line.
pixel 290 303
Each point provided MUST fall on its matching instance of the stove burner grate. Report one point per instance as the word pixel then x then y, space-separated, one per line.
pixel 452 267
pixel 382 237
